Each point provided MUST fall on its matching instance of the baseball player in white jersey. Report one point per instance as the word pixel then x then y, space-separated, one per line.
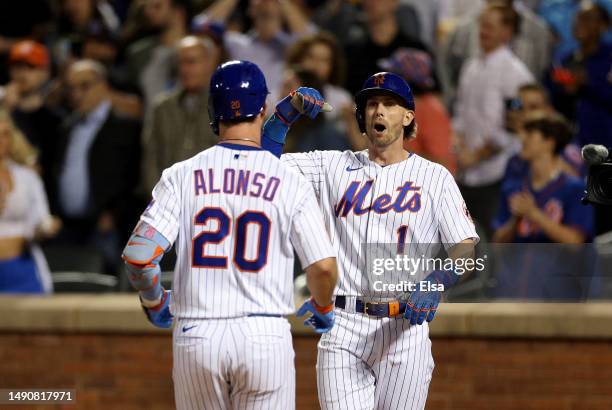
pixel 378 354
pixel 235 214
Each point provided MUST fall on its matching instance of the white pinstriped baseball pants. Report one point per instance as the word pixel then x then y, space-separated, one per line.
pixel 370 363
pixel 241 363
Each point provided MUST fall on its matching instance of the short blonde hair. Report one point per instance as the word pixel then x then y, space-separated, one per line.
pixel 21 151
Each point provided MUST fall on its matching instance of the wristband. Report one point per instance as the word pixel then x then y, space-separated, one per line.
pixel 322 309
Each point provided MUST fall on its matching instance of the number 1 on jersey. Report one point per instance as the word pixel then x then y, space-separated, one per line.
pixel 224 224
pixel 401 238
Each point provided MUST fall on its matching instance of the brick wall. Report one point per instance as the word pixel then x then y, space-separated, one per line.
pixel 134 371
pixel 481 374
pixel 108 372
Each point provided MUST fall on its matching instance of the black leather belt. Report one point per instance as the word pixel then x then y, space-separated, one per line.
pixel 375 309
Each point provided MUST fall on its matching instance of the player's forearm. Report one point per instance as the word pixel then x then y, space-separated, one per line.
pixel 146 282
pixel 557 232
pixel 464 249
pixel 274 134
pixel 322 289
pixel 321 279
pixel 142 255
pixel 459 253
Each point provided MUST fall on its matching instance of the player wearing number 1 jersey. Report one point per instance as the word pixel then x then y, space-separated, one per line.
pixel 235 214
pixel 378 355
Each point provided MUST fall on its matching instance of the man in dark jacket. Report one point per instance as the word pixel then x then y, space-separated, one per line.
pixel 96 167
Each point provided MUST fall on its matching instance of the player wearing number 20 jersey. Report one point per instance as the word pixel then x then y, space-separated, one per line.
pixel 236 212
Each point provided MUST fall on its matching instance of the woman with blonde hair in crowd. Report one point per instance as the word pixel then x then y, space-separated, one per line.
pixel 24 215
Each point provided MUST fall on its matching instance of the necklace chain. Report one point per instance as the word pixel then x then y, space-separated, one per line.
pixel 241 139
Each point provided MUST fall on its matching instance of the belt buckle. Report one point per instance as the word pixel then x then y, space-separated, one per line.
pixel 367 305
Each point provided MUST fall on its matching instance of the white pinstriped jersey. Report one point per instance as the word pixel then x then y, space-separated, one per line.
pixel 236 214
pixel 415 201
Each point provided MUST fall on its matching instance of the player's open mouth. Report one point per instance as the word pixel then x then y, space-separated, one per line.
pixel 379 129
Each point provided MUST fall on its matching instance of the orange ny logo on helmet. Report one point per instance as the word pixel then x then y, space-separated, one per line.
pixel 379 80
pixel 235 104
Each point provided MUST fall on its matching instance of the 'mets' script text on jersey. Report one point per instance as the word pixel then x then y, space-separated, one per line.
pixel 353 199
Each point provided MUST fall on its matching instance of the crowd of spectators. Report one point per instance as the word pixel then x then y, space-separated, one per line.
pixel 98 97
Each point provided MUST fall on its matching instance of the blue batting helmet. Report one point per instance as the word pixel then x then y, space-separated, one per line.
pixel 238 92
pixel 384 83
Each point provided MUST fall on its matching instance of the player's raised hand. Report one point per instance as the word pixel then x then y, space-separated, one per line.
pixel 322 319
pixel 160 315
pixel 303 101
pixel 309 102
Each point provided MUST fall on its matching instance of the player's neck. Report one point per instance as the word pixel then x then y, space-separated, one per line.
pixel 390 154
pixel 543 170
pixel 241 134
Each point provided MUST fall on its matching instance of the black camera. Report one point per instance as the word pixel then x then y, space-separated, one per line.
pixel 599 180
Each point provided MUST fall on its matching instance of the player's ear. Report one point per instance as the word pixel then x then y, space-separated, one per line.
pixel 263 111
pixel 408 118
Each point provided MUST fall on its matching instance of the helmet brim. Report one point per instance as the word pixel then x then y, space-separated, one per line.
pixel 362 96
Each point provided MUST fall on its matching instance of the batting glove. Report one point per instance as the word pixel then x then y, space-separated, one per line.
pixel 322 319
pixel 160 315
pixel 312 103
pixel 422 304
